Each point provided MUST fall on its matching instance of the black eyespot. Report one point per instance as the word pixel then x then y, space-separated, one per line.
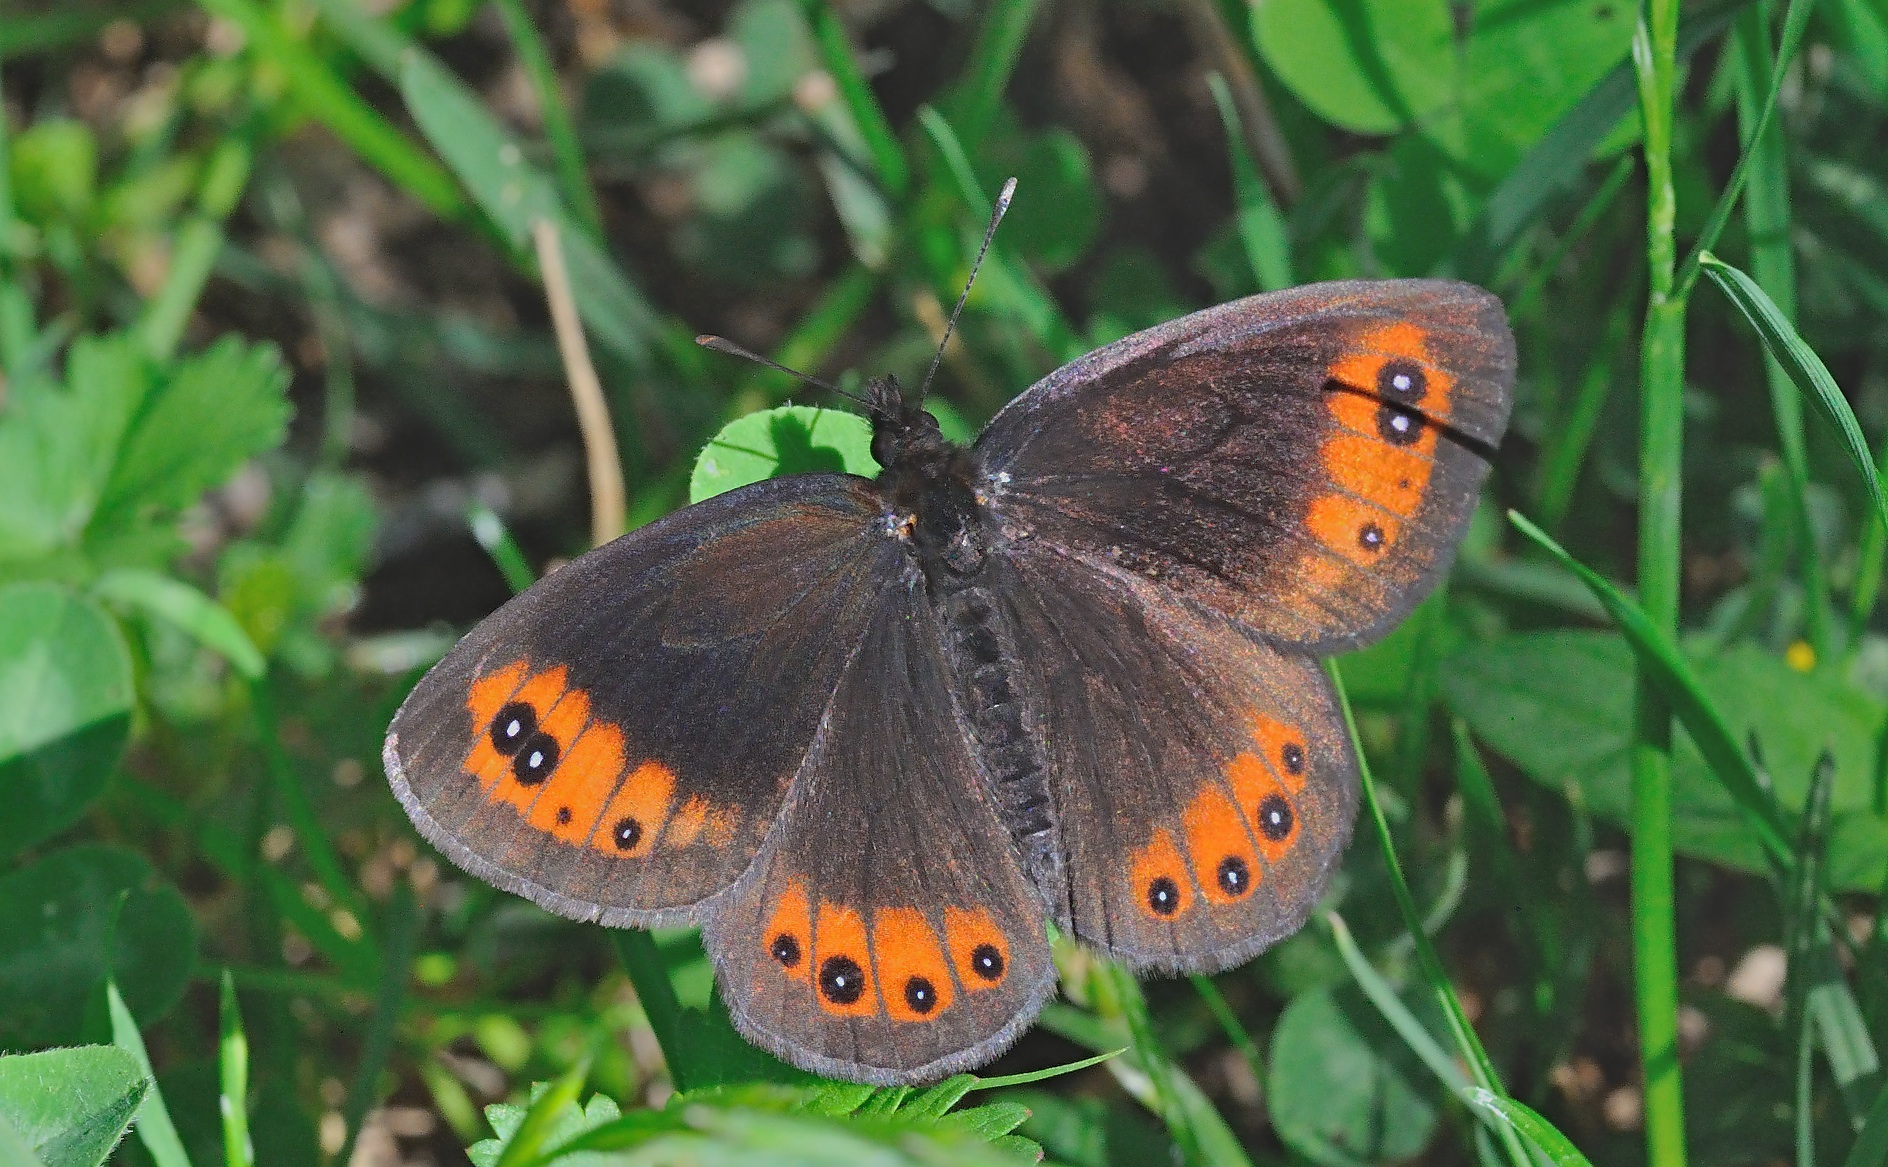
pixel 1275 821
pixel 841 980
pixel 563 816
pixel 921 995
pixel 785 949
pixel 1235 878
pixel 1294 758
pixel 1163 895
pixel 986 960
pixel 514 724
pixel 535 759
pixel 1404 380
pixel 627 833
pixel 1370 537
pixel 1398 426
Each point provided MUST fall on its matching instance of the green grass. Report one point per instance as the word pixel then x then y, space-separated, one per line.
pixel 282 413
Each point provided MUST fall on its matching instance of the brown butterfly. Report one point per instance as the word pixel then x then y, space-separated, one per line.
pixel 871 734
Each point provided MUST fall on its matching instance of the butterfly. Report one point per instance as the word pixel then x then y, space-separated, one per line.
pixel 871 735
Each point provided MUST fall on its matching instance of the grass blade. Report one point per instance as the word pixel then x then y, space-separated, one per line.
pixel 495 538
pixel 1518 1116
pixel 1261 226
pixel 155 1129
pixel 527 1142
pixel 842 65
pixel 1467 1043
pixel 1807 944
pixel 573 179
pixel 1668 669
pixel 233 1077
pixel 1383 995
pixel 183 606
pixel 1804 367
pixel 1871 1146
pixel 1032 1076
pixel 987 74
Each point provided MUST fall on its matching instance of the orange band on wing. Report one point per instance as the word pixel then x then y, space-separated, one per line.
pixel 1224 862
pixel 1158 879
pixel 1379 357
pixel 1284 748
pixel 540 692
pixel 562 723
pixel 1262 798
pixel 490 694
pixel 1370 418
pixel 1355 530
pixel 1392 478
pixel 696 821
pixel 636 812
pixel 978 950
pixel 787 940
pixel 842 978
pixel 581 786
pixel 912 974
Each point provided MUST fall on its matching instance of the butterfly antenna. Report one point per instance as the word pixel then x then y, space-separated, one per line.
pixel 996 216
pixel 722 344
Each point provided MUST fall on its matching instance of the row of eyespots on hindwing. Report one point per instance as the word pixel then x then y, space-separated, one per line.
pixel 537 747
pixel 830 952
pixel 1220 831
pixel 1386 397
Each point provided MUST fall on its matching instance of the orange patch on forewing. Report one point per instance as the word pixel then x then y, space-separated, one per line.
pixel 910 965
pixel 639 806
pixel 1357 413
pixel 1286 751
pixel 1216 833
pixel 965 932
pixel 488 695
pixel 1376 347
pixel 793 921
pixel 1392 478
pixel 580 787
pixel 1156 870
pixel 1357 531
pixel 562 723
pixel 1253 782
pixel 839 934
pixel 541 692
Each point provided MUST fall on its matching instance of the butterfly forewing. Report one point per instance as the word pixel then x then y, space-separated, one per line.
pixel 616 742
pixel 1304 461
pixel 886 933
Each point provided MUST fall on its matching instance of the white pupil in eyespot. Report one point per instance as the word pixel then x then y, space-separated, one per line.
pixel 512 729
pixel 1399 423
pixel 537 759
pixel 1401 381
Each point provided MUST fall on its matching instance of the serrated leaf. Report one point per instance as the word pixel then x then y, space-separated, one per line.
pixel 218 409
pixel 991 1120
pixel 70 1106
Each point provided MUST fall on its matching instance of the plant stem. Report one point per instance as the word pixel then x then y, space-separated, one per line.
pixel 573 179
pixel 1661 448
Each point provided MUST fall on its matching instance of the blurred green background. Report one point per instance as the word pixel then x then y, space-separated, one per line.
pixel 282 414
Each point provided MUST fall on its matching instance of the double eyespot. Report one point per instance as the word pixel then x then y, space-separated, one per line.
pixel 540 748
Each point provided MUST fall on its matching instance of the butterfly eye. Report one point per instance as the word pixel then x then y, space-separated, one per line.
pixel 841 980
pixel 786 950
pixel 1402 379
pixel 1275 818
pixel 921 995
pixel 535 759
pixel 1235 877
pixel 512 726
pixel 1293 755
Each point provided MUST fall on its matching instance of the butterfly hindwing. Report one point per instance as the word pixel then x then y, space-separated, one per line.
pixel 616 742
pixel 1202 780
pixel 886 934
pixel 1304 461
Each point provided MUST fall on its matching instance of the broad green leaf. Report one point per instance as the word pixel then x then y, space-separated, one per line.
pixel 65 709
pixel 54 166
pixel 70 1106
pixel 1372 66
pixel 176 602
pixel 1804 367
pixel 58 445
pixel 789 439
pixel 56 917
pixel 219 408
pixel 1559 706
pixel 1535 1129
pixel 1334 1095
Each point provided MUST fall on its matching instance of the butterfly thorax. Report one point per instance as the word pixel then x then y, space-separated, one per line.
pixel 929 481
